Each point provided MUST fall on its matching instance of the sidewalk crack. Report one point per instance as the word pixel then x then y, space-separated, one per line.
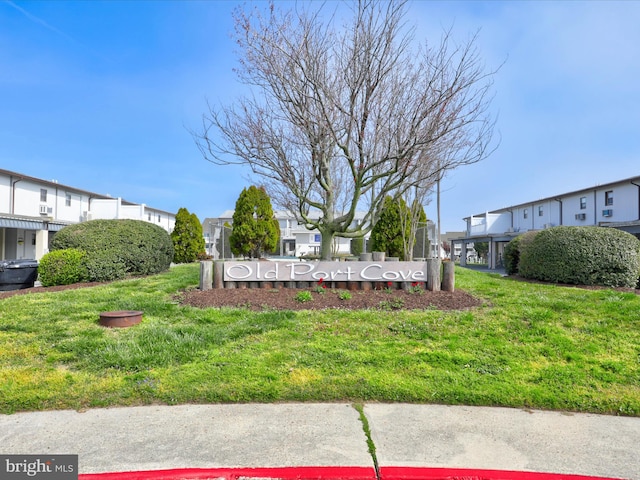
pixel 367 432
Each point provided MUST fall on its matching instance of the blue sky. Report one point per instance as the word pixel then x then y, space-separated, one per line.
pixel 102 95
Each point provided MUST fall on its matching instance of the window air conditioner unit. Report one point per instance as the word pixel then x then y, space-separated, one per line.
pixel 607 213
pixel 581 216
pixel 43 209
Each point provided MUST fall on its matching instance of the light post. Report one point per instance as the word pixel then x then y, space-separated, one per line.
pixel 210 239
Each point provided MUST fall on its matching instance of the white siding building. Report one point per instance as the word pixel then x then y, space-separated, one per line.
pixel 615 205
pixel 32 210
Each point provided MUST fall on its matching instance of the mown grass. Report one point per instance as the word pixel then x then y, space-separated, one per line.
pixel 530 345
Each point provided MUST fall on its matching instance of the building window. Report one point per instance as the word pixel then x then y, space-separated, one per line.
pixel 43 194
pixel 583 203
pixel 158 218
pixel 149 216
pixel 608 197
pixel 316 237
pixel 526 213
pixel 67 199
pixel 540 211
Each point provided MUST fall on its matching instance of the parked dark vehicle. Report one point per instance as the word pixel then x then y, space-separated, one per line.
pixel 17 274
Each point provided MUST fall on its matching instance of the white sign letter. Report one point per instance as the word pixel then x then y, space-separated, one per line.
pixel 239 276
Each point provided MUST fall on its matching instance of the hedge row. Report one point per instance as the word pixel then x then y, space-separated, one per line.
pixel 576 255
pixel 111 250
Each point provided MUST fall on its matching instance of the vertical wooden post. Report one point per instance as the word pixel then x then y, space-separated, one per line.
pixel 378 256
pixel 448 277
pixel 218 274
pixel 206 274
pixel 433 274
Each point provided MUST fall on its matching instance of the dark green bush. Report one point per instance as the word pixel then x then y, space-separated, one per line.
pixel 513 250
pixel 391 229
pixel 357 246
pixel 62 267
pixel 255 229
pixel 582 256
pixel 141 247
pixel 105 266
pixel 187 238
pixel 512 256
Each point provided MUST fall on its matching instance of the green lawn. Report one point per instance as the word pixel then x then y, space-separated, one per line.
pixel 531 345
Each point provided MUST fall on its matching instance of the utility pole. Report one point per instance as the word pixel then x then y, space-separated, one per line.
pixel 438 210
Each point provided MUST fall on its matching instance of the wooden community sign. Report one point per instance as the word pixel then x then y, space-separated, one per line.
pixel 269 271
pixel 359 275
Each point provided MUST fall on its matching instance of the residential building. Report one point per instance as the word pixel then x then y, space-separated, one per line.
pixel 295 239
pixel 32 210
pixel 455 251
pixel 615 205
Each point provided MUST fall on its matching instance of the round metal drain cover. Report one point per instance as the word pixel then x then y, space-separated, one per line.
pixel 120 318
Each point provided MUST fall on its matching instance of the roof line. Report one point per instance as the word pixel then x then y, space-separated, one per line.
pixel 75 189
pixel 558 197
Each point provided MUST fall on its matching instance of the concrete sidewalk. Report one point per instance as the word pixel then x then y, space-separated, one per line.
pixel 282 435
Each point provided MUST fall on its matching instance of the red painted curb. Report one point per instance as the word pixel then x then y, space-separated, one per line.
pixel 333 473
pixel 418 473
pixel 285 473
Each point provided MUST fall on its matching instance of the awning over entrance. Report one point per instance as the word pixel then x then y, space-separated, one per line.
pixel 27 223
pixel 24 224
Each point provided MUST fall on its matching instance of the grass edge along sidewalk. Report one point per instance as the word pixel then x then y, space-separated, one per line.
pixel 529 346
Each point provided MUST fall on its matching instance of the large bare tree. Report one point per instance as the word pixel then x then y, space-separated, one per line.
pixel 340 116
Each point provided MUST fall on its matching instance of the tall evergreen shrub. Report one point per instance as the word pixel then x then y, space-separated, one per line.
pixel 357 246
pixel 255 229
pixel 187 237
pixel 391 229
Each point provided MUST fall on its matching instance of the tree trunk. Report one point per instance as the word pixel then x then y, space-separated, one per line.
pixel 326 244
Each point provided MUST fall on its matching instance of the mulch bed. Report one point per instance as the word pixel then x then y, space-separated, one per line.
pixel 285 299
pixel 258 299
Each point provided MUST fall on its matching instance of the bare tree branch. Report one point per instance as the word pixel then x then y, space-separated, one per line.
pixel 341 118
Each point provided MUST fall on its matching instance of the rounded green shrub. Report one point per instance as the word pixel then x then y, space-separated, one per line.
pixel 513 250
pixel 116 248
pixel 582 256
pixel 62 267
pixel 105 266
